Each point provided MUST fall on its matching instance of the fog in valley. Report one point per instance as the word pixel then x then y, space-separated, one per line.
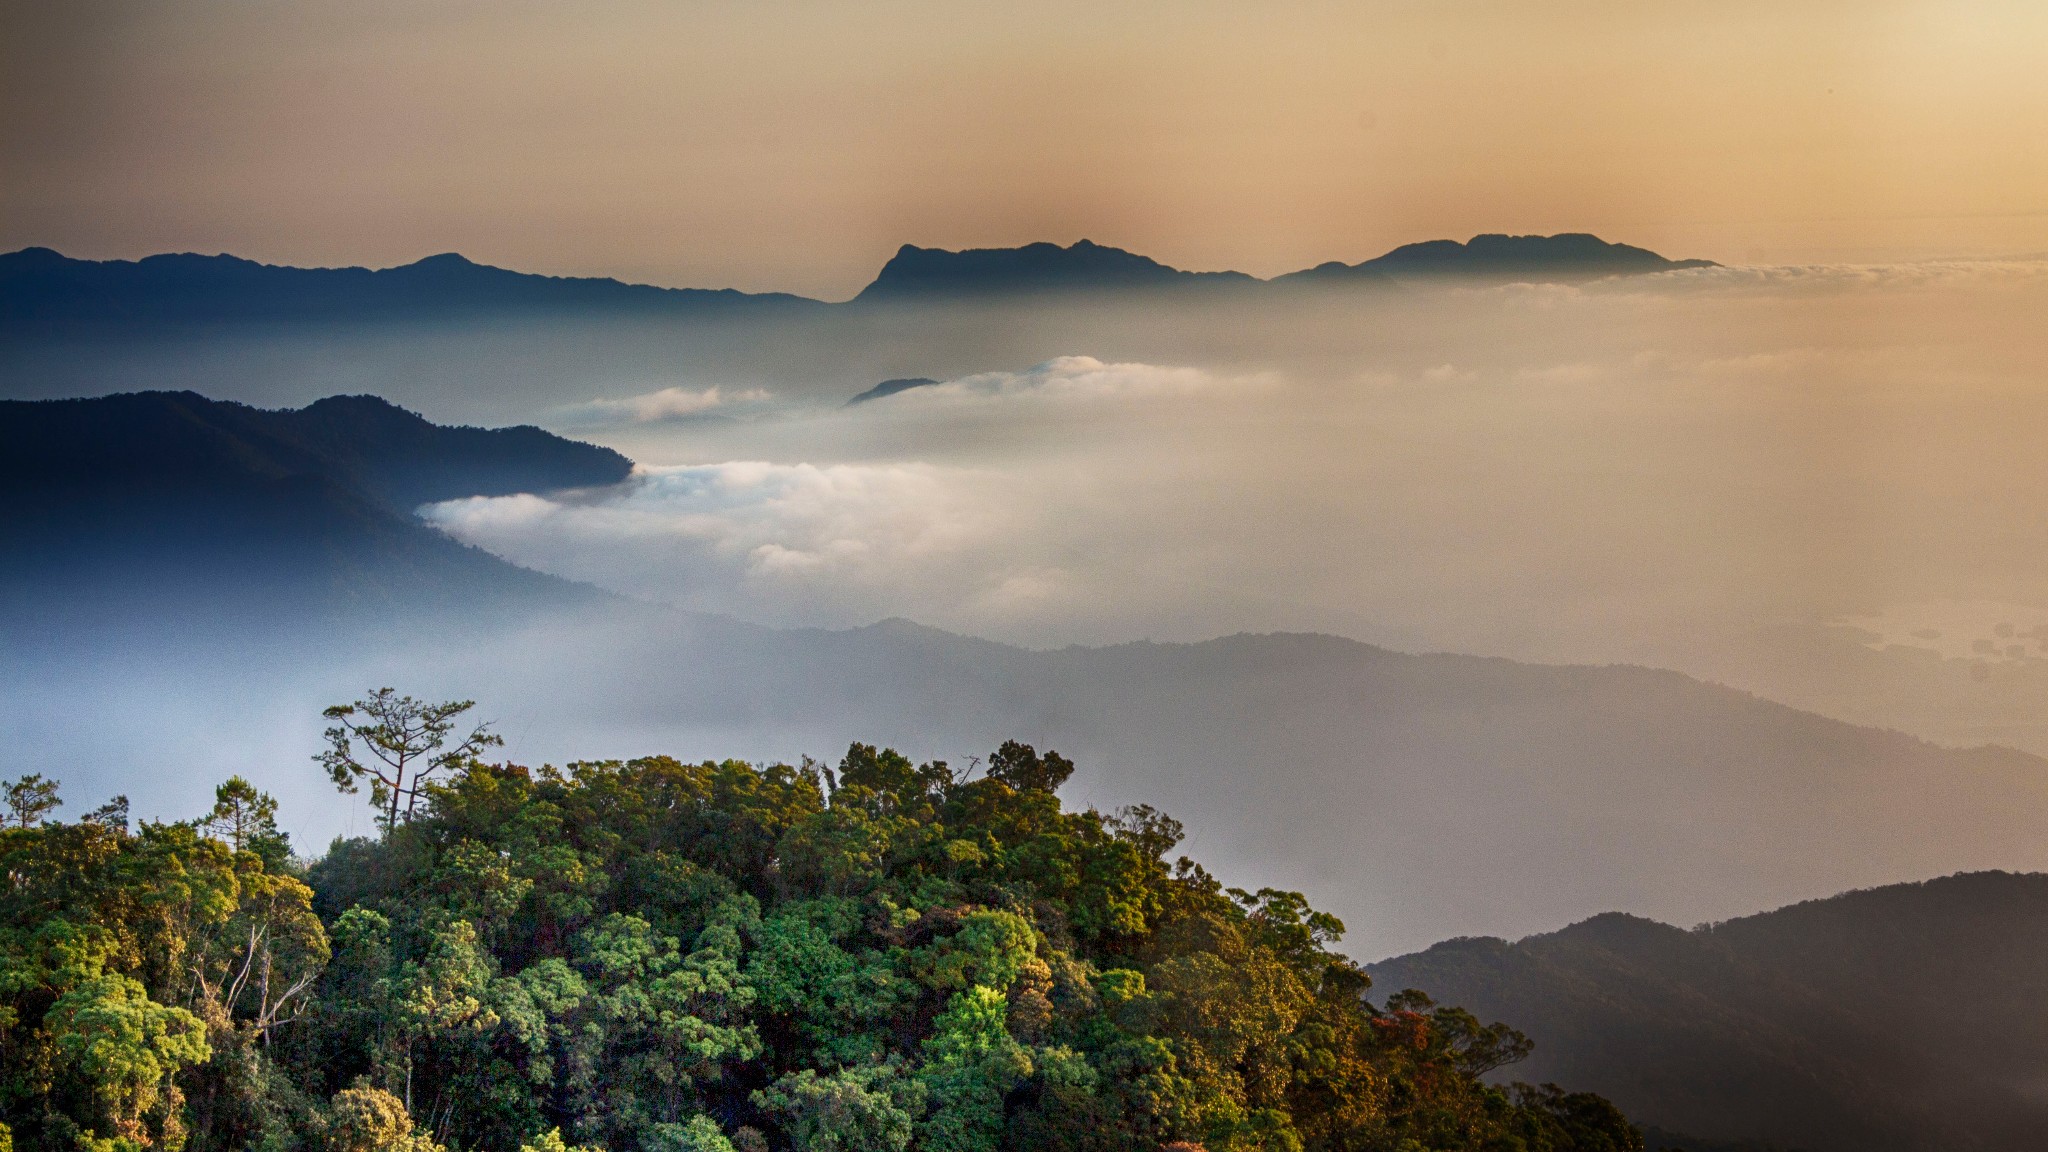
pixel 1815 484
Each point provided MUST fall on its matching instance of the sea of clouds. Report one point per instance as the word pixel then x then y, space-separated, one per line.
pixel 1551 472
pixel 1819 484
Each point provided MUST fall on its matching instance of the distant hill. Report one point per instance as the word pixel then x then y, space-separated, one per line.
pixel 1909 1018
pixel 926 273
pixel 165 499
pixel 1418 796
pixel 1566 256
pixel 39 287
pixel 891 388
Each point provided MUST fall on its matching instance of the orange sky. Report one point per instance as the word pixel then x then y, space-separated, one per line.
pixel 794 145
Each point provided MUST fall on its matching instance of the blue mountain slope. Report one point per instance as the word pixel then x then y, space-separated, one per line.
pixel 163 503
pixel 39 286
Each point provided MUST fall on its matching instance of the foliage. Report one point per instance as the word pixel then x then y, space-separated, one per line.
pixel 654 956
pixel 373 1120
pixel 395 742
pixel 246 821
pixel 31 798
pixel 140 975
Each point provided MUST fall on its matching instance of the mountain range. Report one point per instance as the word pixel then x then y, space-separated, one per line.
pixel 39 286
pixel 1906 1018
pixel 43 289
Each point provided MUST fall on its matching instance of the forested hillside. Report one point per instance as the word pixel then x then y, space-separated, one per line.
pixel 654 955
pixel 1908 1018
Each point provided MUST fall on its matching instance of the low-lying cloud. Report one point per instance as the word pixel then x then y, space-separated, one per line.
pixel 1083 378
pixel 657 407
pixel 787 543
pixel 1653 469
pixel 994 547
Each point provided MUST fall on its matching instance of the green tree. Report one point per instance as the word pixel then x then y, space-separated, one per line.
pixel 551 1141
pixel 366 1119
pixel 30 799
pixel 127 1049
pixel 870 1108
pixel 971 1063
pixel 396 742
pixel 245 819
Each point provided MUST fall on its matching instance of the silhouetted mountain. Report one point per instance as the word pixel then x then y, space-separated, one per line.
pixel 160 501
pixel 935 273
pixel 1909 1018
pixel 925 273
pixel 43 290
pixel 1566 256
pixel 890 388
pixel 39 287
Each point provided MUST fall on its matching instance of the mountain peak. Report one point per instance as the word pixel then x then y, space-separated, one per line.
pixel 916 273
pixel 892 387
pixel 1565 256
pixel 447 260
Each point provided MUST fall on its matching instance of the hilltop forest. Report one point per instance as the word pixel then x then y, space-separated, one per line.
pixel 658 956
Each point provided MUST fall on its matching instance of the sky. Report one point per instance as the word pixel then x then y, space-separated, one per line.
pixel 793 146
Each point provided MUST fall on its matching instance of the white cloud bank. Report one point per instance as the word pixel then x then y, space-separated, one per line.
pixel 787 543
pixel 984 526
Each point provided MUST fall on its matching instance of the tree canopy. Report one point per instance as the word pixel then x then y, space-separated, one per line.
pixel 658 956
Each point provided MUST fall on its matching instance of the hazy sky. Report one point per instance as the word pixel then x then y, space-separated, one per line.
pixel 794 145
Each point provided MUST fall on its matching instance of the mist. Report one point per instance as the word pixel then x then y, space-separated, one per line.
pixel 1742 473
pixel 1810 483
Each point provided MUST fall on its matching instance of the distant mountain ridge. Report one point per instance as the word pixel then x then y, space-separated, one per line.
pixel 892 387
pixel 1908 1018
pixel 1568 255
pixel 41 288
pixel 38 285
pixel 175 498
pixel 1084 265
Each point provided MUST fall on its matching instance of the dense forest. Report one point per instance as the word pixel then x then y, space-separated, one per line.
pixel 659 956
